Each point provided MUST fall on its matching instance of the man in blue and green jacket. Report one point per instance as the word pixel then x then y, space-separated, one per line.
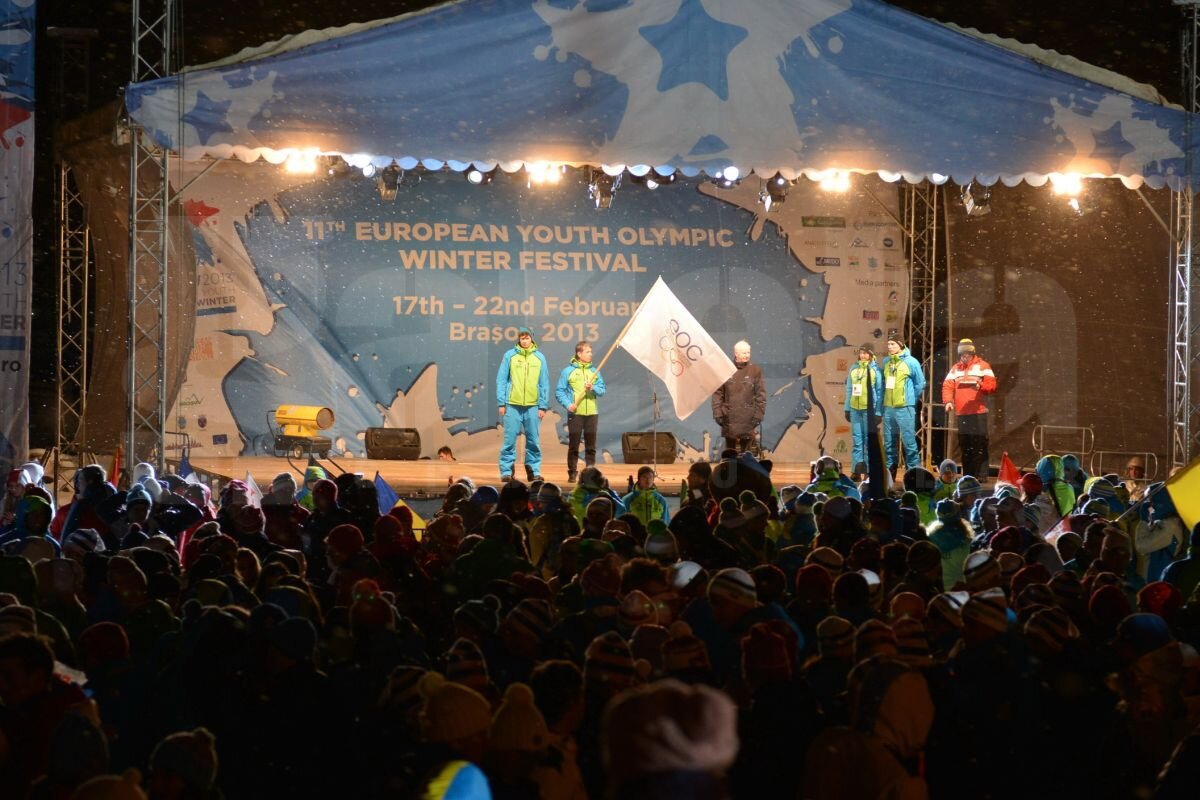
pixel 523 390
pixel 903 383
pixel 857 392
pixel 578 387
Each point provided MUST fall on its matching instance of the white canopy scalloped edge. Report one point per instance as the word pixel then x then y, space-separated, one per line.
pixel 365 161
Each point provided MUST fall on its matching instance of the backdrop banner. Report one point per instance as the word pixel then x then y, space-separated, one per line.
pixel 313 290
pixel 16 225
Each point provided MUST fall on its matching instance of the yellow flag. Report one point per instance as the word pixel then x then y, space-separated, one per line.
pixel 1184 488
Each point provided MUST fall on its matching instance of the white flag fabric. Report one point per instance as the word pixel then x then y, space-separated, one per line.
pixel 668 341
pixel 255 494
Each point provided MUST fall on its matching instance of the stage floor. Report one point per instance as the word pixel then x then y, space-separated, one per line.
pixel 430 478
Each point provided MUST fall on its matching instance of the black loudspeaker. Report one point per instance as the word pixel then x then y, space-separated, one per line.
pixel 396 444
pixel 641 447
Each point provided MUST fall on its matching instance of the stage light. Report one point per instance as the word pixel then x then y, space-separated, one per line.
pixel 1070 184
pixel 480 177
pixel 835 180
pixel 602 187
pixel 652 180
pixel 977 200
pixel 368 170
pixel 301 162
pixel 729 177
pixel 542 172
pixel 774 192
pixel 388 181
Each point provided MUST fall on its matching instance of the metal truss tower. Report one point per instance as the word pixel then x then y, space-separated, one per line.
pixel 72 72
pixel 921 209
pixel 1185 311
pixel 153 37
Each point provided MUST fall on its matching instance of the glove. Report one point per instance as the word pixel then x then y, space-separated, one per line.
pixel 846 414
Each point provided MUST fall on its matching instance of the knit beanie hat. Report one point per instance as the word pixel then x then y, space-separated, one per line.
pixel 912 642
pixel 988 609
pixel 660 542
pixel 486 496
pixel 465 664
pixel 1049 629
pixel 402 691
pixel 828 558
pixel 967 487
pixel 137 494
pixel 189 755
pixel 684 572
pixel 1031 484
pixel 948 510
pixel 1010 564
pixel 839 508
pixel 947 607
pixel 908 604
pixel 765 656
pixel 82 541
pixel 730 516
pixel 1067 588
pixel 249 520
pixel 1139 634
pixel 981 572
pixel 518 725
pixel 646 643
pixel 949 465
pixel 483 613
pixel 608 663
pixel 874 638
pixel 1032 597
pixel 1108 606
pixel 602 577
pixel 669 727
pixel 452 712
pixel 835 638
pixel 345 539
pixel 1004 490
pixel 923 556
pixel 1161 598
pixel 684 655
pixel 814 584
pixel 295 637
pixel 325 488
pixel 789 493
pixel 874 587
pixel 591 478
pixel 735 586
pixel 284 480
pixel 103 643
pixel 638 609
pixel 532 616
pixel 1028 575
pixel 17 619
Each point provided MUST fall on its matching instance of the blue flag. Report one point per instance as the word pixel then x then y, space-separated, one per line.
pixel 385 494
pixel 185 466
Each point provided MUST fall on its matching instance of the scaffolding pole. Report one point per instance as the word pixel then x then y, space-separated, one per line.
pixel 1185 315
pixel 153 34
pixel 921 208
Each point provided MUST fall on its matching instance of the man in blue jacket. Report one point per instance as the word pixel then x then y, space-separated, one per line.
pixel 903 383
pixel 523 392
pixel 578 387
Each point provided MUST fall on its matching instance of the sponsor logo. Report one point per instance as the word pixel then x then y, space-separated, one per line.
pixel 891 316
pixel 854 262
pixel 828 261
pixel 843 428
pixel 220 438
pixel 831 243
pixel 892 266
pixel 893 298
pixel 202 350
pixel 860 224
pixel 873 262
pixel 181 423
pixel 843 364
pixel 202 421
pixel 190 400
pixel 889 243
pixel 868 314
pixel 858 242
pixel 823 222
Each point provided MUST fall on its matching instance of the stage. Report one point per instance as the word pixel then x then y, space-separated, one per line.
pixel 426 478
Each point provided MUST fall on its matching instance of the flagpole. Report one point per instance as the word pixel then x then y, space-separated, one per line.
pixel 624 330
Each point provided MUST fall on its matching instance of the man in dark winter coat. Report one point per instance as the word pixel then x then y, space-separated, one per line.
pixel 738 406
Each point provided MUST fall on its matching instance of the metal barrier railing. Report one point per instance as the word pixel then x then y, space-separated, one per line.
pixel 1086 440
pixel 1119 459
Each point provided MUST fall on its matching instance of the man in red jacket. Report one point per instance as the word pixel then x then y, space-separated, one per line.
pixel 963 390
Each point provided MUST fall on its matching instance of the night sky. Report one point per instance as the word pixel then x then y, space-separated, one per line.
pixel 1138 38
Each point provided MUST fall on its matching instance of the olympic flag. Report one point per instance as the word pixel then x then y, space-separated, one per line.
pixel 667 340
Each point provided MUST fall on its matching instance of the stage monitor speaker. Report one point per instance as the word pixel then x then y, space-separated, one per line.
pixel 396 444
pixel 642 446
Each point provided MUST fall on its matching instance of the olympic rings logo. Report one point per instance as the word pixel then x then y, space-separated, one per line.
pixel 677 348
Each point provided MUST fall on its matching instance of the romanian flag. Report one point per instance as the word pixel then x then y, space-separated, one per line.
pixel 1184 488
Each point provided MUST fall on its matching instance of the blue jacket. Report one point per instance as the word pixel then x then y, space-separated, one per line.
pixel 916 385
pixel 504 378
pixel 564 391
pixel 876 387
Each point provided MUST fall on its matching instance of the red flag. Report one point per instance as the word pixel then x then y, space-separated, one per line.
pixel 1008 471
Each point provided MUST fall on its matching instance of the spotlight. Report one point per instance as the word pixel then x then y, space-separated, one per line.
pixel 480 177
pixel 602 187
pixel 774 192
pixel 301 162
pixel 835 180
pixel 542 172
pixel 729 178
pixel 368 170
pixel 977 200
pixel 388 181
pixel 652 180
pixel 1070 184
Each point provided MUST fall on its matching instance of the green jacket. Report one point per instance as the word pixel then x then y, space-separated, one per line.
pixel 569 389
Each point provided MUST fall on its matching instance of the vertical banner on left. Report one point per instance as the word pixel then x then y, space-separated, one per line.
pixel 16 224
